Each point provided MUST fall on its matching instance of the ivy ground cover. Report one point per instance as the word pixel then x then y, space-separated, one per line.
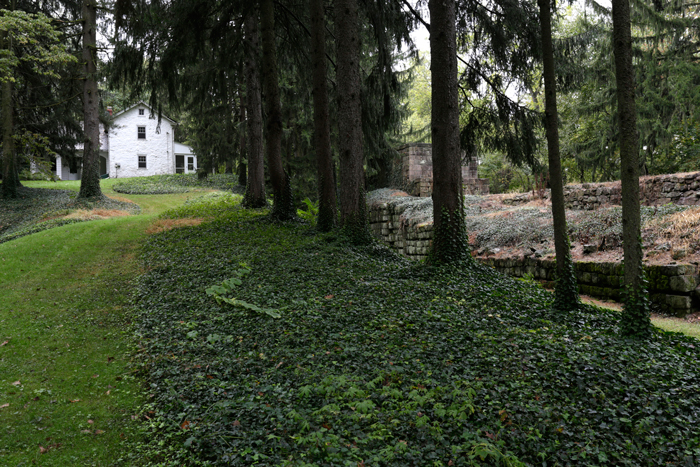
pixel 374 360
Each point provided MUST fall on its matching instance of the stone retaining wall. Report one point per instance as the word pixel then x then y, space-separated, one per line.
pixel 673 289
pixel 406 228
pixel 682 189
pixel 392 222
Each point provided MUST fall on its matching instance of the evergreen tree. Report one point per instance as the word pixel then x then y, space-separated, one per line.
pixel 566 290
pixel 255 187
pixel 283 205
pixel 327 212
pixel 449 238
pixel 90 178
pixel 353 217
pixel 635 318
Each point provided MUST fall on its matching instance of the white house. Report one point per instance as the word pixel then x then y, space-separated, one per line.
pixel 135 145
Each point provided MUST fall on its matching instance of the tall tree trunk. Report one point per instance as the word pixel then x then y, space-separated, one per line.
pixel 10 180
pixel 283 206
pixel 353 214
pixel 255 186
pixel 635 317
pixel 566 290
pixel 327 212
pixel 90 178
pixel 449 237
pixel 242 168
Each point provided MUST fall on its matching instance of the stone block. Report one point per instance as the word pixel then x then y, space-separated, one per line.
pixel 678 302
pixel 682 283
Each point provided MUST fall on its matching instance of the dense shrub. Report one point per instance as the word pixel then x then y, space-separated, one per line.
pixel 378 361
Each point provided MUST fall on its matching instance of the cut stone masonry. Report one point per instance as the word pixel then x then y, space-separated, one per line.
pixel 405 224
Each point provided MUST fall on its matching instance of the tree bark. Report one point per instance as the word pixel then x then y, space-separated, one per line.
pixel 283 207
pixel 255 186
pixel 242 166
pixel 566 290
pixel 353 217
pixel 449 238
pixel 327 212
pixel 10 180
pixel 90 177
pixel 635 319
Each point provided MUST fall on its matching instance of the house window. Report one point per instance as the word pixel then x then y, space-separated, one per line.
pixel 142 162
pixel 142 132
pixel 141 111
pixel 190 164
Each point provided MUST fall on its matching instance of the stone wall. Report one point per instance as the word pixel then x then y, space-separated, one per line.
pixel 405 224
pixel 682 189
pixel 673 289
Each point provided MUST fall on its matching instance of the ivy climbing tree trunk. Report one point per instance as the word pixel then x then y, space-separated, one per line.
pixel 353 216
pixel 322 131
pixel 90 177
pixel 635 317
pixel 283 206
pixel 449 238
pixel 255 186
pixel 566 291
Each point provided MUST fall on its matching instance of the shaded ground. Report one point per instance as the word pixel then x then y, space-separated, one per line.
pixel 39 209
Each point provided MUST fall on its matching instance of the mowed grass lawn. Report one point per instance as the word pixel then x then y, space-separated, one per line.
pixel 66 396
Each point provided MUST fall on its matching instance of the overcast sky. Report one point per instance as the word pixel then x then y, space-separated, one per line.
pixel 422 38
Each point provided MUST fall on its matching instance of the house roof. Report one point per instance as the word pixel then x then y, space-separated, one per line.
pixel 141 103
pixel 183 149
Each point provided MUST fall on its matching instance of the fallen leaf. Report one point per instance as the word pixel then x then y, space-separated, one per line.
pixel 16 383
pixel 236 423
pixel 328 297
pixel 74 400
pixel 108 392
pixel 99 432
pixel 185 425
pixel 4 405
pixel 4 343
pixel 90 422
pixel 95 376
pixel 43 450
pixel 86 431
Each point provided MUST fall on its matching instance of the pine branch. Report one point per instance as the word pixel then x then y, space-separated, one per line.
pixel 303 26
pixel 416 14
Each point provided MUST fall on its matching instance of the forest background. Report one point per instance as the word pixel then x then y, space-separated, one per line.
pixel 500 104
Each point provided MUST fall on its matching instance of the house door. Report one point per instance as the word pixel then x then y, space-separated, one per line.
pixel 179 164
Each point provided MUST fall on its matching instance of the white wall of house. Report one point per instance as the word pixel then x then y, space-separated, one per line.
pixel 128 153
pixel 124 154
